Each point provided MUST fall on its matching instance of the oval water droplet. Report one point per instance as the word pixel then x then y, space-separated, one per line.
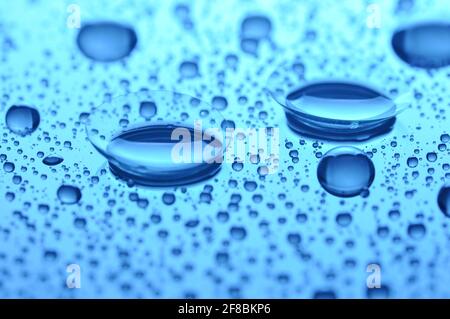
pixel 106 41
pixel 416 231
pixel 345 171
pixel 22 120
pixel 147 109
pixel 425 45
pixel 167 149
pixel 52 160
pixel 188 69
pixel 412 162
pixel 255 27
pixel 444 200
pixel 68 194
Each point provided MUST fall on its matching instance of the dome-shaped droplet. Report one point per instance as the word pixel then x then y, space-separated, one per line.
pixel 345 171
pixel 147 109
pixel 444 200
pixel 52 160
pixel 425 45
pixel 69 194
pixel 188 69
pixel 416 231
pixel 22 120
pixel 106 41
pixel 163 148
pixel 255 27
pixel 412 161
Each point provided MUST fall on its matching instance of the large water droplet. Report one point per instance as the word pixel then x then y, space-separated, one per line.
pixel 69 194
pixel 106 41
pixel 22 120
pixel 416 231
pixel 444 200
pixel 424 45
pixel 253 30
pixel 255 27
pixel 345 171
pixel 166 149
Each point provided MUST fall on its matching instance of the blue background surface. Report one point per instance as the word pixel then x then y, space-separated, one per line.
pixel 146 248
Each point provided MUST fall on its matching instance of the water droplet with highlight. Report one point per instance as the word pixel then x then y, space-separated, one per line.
pixel 52 160
pixel 69 194
pixel 345 171
pixel 106 41
pixel 22 120
pixel 444 200
pixel 425 45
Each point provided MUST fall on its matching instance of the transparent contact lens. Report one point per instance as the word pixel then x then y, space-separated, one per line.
pixel 337 101
pixel 158 138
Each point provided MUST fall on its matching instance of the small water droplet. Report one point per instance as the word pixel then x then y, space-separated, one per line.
pixel 147 109
pixel 8 167
pixel 52 160
pixel 22 120
pixel 416 231
pixel 255 27
pixel 69 194
pixel 106 41
pixel 345 171
pixel 412 162
pixel 444 200
pixel 424 45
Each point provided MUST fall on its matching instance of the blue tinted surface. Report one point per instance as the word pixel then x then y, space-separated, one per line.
pixel 240 232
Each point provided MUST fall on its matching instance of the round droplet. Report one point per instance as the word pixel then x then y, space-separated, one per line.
pixel 168 198
pixel 22 120
pixel 147 109
pixel 345 171
pixel 344 219
pixel 416 231
pixel 444 200
pixel 9 167
pixel 431 157
pixel 52 160
pixel 69 194
pixel 425 45
pixel 412 161
pixel 255 27
pixel 188 69
pixel 238 233
pixel 106 41
pixel 168 148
